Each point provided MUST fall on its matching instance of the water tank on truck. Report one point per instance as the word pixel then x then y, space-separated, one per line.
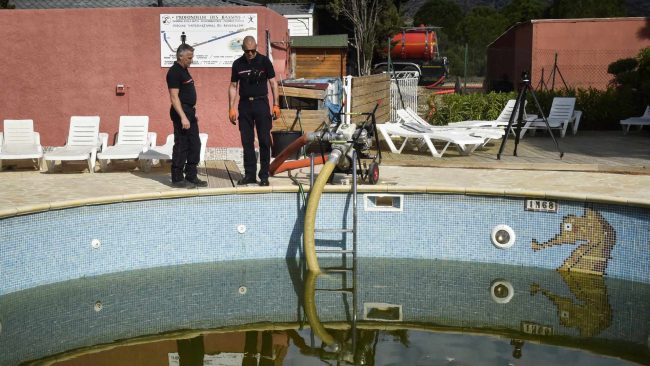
pixel 415 49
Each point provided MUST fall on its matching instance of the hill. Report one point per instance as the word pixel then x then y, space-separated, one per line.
pixel 635 8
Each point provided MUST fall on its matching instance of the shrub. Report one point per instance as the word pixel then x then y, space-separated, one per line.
pixel 456 107
pixel 622 65
pixel 601 109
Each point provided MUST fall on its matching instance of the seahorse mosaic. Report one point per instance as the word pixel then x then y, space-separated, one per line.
pixel 589 311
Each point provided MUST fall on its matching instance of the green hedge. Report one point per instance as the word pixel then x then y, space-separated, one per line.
pixel 465 107
pixel 601 109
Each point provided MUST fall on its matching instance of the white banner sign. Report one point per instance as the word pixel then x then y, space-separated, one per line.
pixel 216 38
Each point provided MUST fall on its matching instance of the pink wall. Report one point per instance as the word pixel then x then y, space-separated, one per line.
pixel 585 47
pixel 60 63
pixel 509 55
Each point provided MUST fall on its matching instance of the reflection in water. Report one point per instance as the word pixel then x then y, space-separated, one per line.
pixel 376 347
pixel 588 310
pixel 190 351
pixel 265 357
pixel 181 315
pixel 518 344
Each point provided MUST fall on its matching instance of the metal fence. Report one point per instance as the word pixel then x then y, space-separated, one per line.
pixel 551 68
pixel 403 92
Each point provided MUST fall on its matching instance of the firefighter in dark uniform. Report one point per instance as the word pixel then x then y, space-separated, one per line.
pixel 251 72
pixel 187 145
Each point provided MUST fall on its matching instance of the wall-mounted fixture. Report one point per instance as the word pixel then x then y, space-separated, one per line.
pixel 120 89
pixel 384 202
pixel 503 236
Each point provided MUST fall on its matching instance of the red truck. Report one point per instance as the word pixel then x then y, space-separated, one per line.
pixel 416 49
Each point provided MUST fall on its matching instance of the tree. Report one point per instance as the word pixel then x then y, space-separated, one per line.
pixel 480 27
pixel 633 74
pixel 523 10
pixel 364 15
pixel 4 4
pixel 563 9
pixel 441 13
pixel 389 23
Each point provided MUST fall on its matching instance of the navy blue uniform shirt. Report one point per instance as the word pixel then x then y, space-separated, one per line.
pixel 253 75
pixel 179 78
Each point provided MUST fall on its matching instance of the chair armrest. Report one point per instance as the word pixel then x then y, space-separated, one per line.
pixel 103 141
pixel 170 139
pixel 204 142
pixel 151 139
pixel 530 117
pixel 37 142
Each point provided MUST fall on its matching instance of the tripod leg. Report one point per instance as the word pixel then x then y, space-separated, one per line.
pixel 509 127
pixel 548 127
pixel 520 115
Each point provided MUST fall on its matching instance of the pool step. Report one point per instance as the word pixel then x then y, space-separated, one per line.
pixel 342 251
pixel 334 230
pixel 343 289
pixel 337 269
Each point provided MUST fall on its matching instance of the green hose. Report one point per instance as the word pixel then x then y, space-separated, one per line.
pixel 310 309
pixel 312 206
pixel 309 247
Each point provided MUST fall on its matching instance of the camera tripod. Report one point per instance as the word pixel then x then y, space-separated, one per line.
pixel 519 118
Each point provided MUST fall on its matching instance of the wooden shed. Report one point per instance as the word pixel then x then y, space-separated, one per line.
pixel 319 56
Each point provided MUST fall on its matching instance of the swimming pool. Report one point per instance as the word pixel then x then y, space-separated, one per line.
pixel 55 256
pixel 86 318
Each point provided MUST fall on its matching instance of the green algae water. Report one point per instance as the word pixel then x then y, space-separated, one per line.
pixel 386 312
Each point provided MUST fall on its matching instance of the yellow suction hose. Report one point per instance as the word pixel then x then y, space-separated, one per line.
pixel 312 206
pixel 310 309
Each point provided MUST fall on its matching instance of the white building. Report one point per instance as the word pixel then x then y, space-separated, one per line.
pixel 300 17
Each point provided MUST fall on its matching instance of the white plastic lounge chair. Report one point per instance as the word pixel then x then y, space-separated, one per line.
pixel 133 137
pixel 84 140
pixel 465 142
pixel 18 141
pixel 561 115
pixel 164 152
pixel 641 121
pixel 410 117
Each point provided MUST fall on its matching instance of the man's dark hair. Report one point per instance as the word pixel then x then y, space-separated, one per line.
pixel 183 48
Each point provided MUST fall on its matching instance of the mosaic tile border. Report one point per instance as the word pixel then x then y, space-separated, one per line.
pixel 578 197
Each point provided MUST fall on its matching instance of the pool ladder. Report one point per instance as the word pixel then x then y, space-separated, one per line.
pixel 352 251
pixel 344 269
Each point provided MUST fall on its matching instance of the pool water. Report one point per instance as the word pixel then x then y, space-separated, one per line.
pixel 409 312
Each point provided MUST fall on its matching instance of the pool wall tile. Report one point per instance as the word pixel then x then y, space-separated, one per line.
pixel 54 246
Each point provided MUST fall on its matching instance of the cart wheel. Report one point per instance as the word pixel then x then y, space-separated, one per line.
pixel 373 173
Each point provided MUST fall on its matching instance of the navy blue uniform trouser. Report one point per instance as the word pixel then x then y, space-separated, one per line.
pixel 255 115
pixel 187 145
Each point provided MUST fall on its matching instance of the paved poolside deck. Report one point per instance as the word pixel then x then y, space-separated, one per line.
pixel 596 165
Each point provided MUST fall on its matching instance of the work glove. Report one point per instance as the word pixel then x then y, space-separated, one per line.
pixel 276 111
pixel 232 115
